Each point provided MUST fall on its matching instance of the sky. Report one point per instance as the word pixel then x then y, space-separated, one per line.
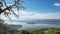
pixel 36 9
pixel 44 6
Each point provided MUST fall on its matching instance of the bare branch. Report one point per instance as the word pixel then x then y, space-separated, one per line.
pixel 17 4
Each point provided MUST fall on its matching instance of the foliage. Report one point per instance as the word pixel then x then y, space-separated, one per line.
pixel 17 4
pixel 44 31
pixel 40 31
pixel 37 31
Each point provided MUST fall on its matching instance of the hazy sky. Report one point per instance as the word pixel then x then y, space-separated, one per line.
pixel 37 9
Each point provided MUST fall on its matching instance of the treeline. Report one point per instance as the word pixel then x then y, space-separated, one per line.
pixel 42 31
pixel 4 30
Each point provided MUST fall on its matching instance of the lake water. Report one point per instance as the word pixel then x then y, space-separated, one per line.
pixel 36 25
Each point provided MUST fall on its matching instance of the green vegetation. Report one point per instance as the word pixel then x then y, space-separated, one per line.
pixel 42 31
pixel 4 30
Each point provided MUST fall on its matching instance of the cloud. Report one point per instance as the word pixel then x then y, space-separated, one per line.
pixel 35 15
pixel 27 16
pixel 24 15
pixel 56 4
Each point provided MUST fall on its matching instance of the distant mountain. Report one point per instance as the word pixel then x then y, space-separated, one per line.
pixel 43 21
pixel 40 21
pixel 38 26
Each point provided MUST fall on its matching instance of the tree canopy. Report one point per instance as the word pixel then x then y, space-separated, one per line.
pixel 16 4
